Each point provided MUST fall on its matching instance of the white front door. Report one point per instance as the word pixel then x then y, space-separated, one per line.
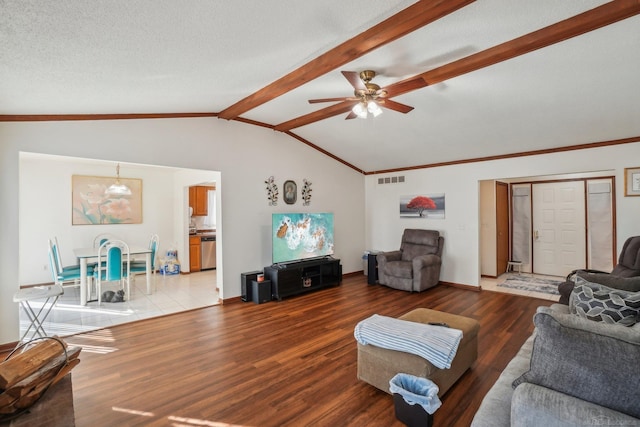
pixel 559 243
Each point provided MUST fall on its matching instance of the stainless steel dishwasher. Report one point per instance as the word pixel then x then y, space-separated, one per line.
pixel 208 252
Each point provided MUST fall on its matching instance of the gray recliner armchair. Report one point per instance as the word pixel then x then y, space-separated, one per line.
pixel 416 266
pixel 628 269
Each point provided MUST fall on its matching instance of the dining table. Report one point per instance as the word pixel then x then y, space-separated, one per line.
pixel 85 255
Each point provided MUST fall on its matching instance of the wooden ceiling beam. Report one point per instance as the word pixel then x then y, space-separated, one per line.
pixel 330 111
pixel 81 117
pixel 404 22
pixel 585 22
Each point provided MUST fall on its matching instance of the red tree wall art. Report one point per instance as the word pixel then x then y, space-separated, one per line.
pixel 421 203
pixel 430 205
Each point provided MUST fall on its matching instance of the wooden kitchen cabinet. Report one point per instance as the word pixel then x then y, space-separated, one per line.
pixel 194 254
pixel 202 205
pixel 192 199
pixel 198 200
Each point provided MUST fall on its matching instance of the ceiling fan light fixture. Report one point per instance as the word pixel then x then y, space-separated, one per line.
pixel 374 109
pixel 360 110
pixel 118 189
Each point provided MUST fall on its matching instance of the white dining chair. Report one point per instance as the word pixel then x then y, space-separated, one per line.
pixel 70 277
pixel 55 247
pixel 103 237
pixel 140 266
pixel 113 266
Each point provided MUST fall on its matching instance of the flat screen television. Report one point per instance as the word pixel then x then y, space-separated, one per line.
pixel 297 236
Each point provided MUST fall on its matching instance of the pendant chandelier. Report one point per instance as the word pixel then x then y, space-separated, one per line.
pixel 118 189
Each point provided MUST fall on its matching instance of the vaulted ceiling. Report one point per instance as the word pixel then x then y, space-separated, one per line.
pixel 486 78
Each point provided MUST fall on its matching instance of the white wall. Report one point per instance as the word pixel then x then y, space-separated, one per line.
pixel 460 183
pixel 244 155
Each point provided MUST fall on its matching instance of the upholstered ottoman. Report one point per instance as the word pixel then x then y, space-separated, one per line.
pixel 377 366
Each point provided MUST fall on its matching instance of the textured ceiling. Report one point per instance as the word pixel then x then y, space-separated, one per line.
pixel 146 56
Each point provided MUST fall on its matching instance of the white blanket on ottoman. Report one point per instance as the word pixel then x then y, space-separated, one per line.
pixel 437 344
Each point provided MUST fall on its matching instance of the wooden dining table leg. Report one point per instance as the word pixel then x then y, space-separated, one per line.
pixel 83 281
pixel 148 265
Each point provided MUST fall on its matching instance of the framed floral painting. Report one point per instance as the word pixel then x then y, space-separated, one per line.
pixel 91 205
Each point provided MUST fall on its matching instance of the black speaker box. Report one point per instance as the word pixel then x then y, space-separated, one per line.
pixel 372 269
pixel 245 283
pixel 261 291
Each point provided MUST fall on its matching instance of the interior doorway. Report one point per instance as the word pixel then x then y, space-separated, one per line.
pixel 563 225
pixel 165 202
pixel 598 231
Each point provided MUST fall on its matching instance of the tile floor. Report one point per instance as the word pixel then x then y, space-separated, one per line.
pixel 170 294
pixel 490 284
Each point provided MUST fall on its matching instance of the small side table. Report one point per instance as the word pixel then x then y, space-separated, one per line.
pixel 513 265
pixel 27 295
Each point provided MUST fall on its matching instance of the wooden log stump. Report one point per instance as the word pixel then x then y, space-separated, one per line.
pixel 25 376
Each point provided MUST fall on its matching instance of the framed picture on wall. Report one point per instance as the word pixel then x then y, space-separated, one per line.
pixel 632 181
pixel 92 205
pixel 422 206
pixel 290 190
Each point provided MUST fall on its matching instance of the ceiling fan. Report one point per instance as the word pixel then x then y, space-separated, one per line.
pixel 368 97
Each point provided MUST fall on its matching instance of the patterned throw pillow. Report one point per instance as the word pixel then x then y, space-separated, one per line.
pixel 603 304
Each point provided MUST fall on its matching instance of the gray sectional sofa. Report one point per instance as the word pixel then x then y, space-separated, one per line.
pixel 573 371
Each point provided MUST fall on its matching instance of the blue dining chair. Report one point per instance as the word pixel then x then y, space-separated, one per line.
pixel 63 278
pixel 140 267
pixel 55 247
pixel 113 266
pixel 103 237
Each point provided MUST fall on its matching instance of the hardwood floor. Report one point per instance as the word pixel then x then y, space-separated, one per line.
pixel 287 363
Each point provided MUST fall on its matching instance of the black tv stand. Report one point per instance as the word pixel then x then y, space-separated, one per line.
pixel 303 276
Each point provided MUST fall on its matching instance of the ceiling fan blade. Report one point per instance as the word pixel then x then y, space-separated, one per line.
pixel 351 115
pixel 396 106
pixel 315 101
pixel 354 79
